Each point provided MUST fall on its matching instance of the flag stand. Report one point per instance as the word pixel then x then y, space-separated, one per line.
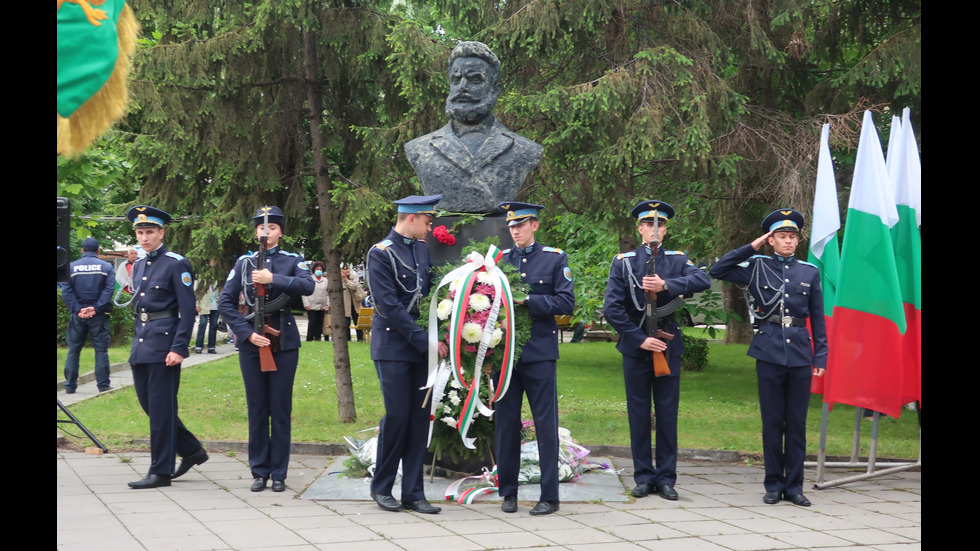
pixel 871 463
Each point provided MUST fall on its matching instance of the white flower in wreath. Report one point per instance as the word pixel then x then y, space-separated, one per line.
pixel 453 398
pixel 453 383
pixel 479 302
pixel 449 421
pixel 444 309
pixel 496 337
pixel 454 284
pixel 446 408
pixel 472 332
pixel 484 277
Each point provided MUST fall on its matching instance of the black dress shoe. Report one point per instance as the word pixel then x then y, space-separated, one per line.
pixel 771 498
pixel 421 506
pixel 667 492
pixel 278 485
pixel 509 505
pixel 642 489
pixel 151 481
pixel 258 484
pixel 387 503
pixel 196 458
pixel 798 499
pixel 545 508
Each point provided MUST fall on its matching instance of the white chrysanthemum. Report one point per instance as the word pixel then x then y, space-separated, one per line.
pixel 453 398
pixel 472 332
pixel 495 338
pixel 446 408
pixel 454 384
pixel 455 284
pixel 479 302
pixel 449 421
pixel 444 308
pixel 485 277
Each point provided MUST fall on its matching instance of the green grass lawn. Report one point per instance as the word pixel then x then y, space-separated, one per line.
pixel 718 407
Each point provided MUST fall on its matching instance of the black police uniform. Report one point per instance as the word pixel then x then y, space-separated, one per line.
pixel 165 309
pixel 90 283
pixel 625 310
pixel 269 394
pixel 399 274
pixel 783 290
pixel 552 294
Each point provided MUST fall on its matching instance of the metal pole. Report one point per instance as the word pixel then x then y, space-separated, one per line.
pixel 866 476
pixel 822 452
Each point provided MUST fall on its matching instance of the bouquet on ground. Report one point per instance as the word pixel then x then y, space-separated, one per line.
pixel 472 311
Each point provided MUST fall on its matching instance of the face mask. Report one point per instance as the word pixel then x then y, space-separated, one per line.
pixel 318 273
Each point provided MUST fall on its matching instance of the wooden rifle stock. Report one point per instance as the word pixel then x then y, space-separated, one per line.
pixel 266 360
pixel 660 366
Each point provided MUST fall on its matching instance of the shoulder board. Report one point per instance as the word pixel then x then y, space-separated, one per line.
pixel 626 255
pixel 505 251
pixel 808 264
pixel 759 256
pixel 383 245
pixel 552 250
pixel 288 254
pixel 172 254
pixel 673 252
pixel 743 264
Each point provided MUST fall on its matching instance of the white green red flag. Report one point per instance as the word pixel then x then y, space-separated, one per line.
pixel 866 338
pixel 824 248
pixel 906 176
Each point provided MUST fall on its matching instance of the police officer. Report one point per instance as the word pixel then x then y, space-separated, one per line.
pixel 88 295
pixel 784 292
pixel 552 294
pixel 268 394
pixel 625 309
pixel 399 273
pixel 164 308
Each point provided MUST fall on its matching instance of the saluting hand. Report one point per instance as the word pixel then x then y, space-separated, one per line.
pixel 761 240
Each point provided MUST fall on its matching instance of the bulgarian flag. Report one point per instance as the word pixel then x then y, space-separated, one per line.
pixel 906 177
pixel 824 249
pixel 864 366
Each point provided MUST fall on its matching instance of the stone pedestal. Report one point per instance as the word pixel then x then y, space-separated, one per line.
pixel 492 225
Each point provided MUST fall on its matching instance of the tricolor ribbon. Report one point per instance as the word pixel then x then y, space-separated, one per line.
pixel 465 277
pixel 484 484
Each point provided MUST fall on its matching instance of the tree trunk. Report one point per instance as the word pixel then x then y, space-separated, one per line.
pixel 346 411
pixel 734 301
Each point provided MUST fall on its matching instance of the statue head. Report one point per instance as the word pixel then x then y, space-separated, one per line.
pixel 474 82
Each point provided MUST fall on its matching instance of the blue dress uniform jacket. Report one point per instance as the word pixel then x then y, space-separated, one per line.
pixel 552 294
pixel 269 395
pixel 802 298
pixel 399 274
pixel 163 284
pixel 625 309
pixel 784 355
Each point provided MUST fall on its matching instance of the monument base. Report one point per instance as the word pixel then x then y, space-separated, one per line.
pixel 492 225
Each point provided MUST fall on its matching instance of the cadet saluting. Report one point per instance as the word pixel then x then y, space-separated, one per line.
pixel 784 292
pixel 546 270
pixel 164 306
pixel 398 274
pixel 625 310
pixel 269 394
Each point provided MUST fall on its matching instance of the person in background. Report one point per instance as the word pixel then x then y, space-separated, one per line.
pixel 88 296
pixel 317 305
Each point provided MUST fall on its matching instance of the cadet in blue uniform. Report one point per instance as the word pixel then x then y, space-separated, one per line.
pixel 399 273
pixel 546 270
pixel 625 309
pixel 784 293
pixel 164 308
pixel 88 296
pixel 268 394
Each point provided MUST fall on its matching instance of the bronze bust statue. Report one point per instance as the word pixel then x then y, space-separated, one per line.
pixel 474 161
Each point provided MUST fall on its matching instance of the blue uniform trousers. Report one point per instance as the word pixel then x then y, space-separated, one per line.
pixel 403 429
pixel 156 389
pixel 784 396
pixel 641 385
pixel 269 396
pixel 98 328
pixel 538 381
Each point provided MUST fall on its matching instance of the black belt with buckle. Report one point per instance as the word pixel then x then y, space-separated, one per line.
pixel 786 321
pixel 150 316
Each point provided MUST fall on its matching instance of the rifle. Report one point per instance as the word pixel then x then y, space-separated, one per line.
pixel 266 360
pixel 660 366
